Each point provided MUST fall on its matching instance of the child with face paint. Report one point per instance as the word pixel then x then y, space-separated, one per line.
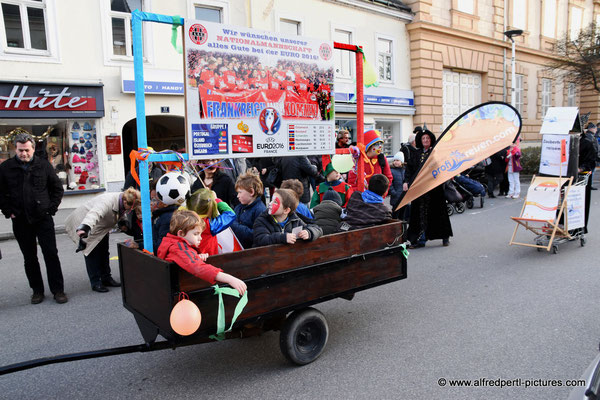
pixel 279 223
pixel 373 159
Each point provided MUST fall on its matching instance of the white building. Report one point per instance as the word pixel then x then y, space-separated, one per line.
pixel 68 64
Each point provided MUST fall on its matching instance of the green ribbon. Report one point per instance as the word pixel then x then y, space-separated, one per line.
pixel 220 335
pixel 177 21
pixel 405 252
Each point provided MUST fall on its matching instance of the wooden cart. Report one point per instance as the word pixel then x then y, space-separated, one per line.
pixel 283 282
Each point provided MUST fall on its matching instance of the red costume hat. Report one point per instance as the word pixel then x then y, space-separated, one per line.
pixel 371 137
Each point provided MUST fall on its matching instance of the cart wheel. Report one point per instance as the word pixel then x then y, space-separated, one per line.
pixel 304 336
pixel 582 241
pixel 539 249
pixel 470 203
pixel 460 207
pixel 450 209
pixel 481 201
pixel 554 249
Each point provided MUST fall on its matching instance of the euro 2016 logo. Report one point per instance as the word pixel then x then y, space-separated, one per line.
pixel 198 34
pixel 325 51
pixel 269 120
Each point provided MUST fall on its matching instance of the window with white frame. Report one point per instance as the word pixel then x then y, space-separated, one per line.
pixel 549 28
pixel 519 93
pixel 571 93
pixel 289 26
pixel 519 14
pixel 25 27
pixel 575 22
pixel 385 60
pixel 210 14
pixel 120 16
pixel 466 6
pixel 546 95
pixel 343 58
pixel 461 92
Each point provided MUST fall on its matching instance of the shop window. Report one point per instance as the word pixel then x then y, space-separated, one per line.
pixel 71 147
pixel 25 27
pixel 385 63
pixel 388 138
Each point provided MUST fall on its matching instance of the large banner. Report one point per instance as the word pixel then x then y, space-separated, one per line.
pixel 256 93
pixel 475 135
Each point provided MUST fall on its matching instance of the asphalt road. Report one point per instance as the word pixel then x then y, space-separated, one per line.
pixel 476 309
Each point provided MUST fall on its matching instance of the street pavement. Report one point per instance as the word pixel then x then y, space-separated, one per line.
pixel 476 309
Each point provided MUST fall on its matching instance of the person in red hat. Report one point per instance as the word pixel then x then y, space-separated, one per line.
pixel 371 155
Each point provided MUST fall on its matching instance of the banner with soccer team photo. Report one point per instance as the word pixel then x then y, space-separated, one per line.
pixel 255 93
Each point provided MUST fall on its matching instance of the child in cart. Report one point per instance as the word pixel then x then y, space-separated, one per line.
pixel 216 214
pixel 280 224
pixel 249 189
pixel 181 246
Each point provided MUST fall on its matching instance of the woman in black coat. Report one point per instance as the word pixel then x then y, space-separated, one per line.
pixel 218 182
pixel 428 216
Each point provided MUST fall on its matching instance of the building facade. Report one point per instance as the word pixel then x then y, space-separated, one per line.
pixel 68 65
pixel 460 57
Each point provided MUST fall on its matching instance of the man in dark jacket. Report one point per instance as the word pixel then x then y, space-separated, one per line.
pixel 300 168
pixel 30 195
pixel 587 163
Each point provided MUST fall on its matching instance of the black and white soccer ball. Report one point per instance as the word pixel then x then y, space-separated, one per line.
pixel 173 188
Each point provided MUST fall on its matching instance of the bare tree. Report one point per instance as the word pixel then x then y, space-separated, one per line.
pixel 578 60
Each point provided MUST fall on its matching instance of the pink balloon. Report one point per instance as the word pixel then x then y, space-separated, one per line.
pixel 185 318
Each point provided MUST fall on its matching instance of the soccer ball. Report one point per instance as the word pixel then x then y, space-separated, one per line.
pixel 173 188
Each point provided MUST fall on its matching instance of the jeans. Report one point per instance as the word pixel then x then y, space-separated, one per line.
pixel 97 263
pixel 26 235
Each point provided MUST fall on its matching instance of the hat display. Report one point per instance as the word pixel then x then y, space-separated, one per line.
pixel 77 170
pixel 75 148
pixel 399 156
pixel 81 139
pixel 83 177
pixel 76 158
pixel 89 155
pixel 333 196
pixel 87 126
pixel 75 135
pixel 76 125
pixel 371 137
pixel 87 136
pixel 82 150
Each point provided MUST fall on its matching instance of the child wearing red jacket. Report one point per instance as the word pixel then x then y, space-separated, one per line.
pixel 181 247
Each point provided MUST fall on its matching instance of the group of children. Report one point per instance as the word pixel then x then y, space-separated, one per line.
pixel 188 236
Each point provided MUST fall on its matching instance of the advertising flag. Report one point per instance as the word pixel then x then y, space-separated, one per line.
pixel 563 151
pixel 472 137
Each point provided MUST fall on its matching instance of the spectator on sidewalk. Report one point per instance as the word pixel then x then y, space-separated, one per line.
pixel 30 195
pixel 92 223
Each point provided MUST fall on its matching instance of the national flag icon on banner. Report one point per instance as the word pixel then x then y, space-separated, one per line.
pixel 292 137
pixel 223 142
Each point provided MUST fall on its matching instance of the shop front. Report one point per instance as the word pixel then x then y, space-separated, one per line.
pixel 65 121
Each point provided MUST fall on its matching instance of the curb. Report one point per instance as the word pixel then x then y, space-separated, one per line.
pixel 4 236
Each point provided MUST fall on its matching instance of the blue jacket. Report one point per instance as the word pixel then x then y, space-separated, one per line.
pixel 245 215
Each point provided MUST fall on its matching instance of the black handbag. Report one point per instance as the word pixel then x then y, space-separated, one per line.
pixel 273 178
pixel 450 193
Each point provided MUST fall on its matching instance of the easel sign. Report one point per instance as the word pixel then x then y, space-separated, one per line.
pixel 542 199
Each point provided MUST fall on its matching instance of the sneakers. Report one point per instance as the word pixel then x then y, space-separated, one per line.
pixel 61 298
pixel 514 197
pixel 508 196
pixel 37 298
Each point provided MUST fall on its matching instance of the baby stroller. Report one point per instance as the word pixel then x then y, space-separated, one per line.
pixel 470 189
pixel 455 201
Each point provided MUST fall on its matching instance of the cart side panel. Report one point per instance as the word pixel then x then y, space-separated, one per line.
pixel 269 260
pixel 283 292
pixel 148 284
